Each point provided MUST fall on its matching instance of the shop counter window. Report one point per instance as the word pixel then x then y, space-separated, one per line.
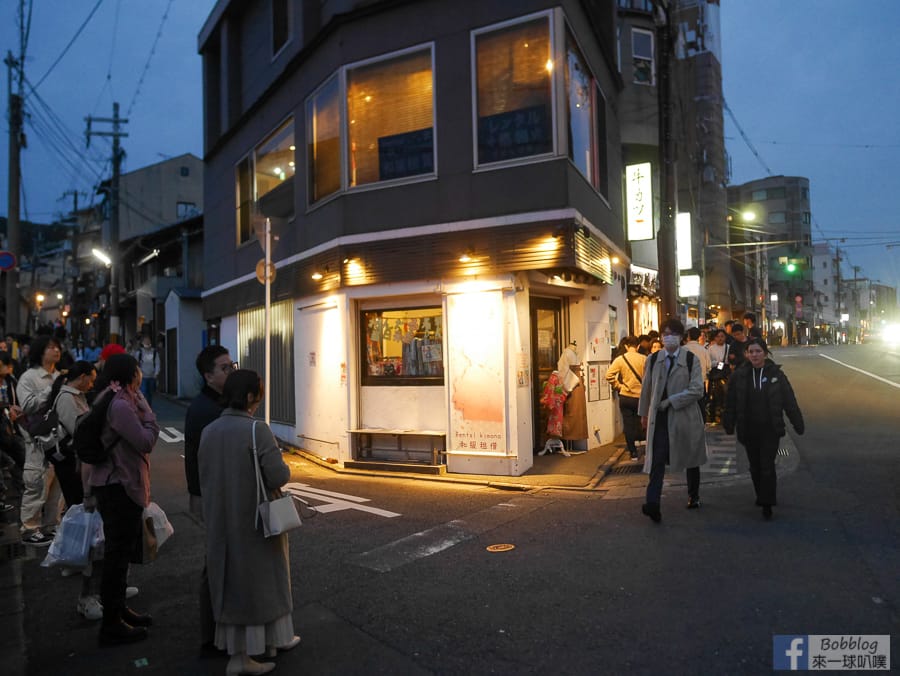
pixel 402 346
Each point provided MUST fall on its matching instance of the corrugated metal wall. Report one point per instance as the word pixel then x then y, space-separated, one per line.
pixel 251 338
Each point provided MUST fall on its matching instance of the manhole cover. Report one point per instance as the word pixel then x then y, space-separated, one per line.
pixel 500 548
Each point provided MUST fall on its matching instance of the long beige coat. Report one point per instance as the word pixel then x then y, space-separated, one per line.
pixel 687 430
pixel 249 575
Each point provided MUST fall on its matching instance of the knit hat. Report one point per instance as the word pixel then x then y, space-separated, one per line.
pixel 111 349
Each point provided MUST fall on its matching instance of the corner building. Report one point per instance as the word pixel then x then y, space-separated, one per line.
pixel 443 181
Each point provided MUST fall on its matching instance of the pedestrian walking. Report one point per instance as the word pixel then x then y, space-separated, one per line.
pixel 625 376
pixel 249 574
pixel 669 410
pixel 148 359
pixel 759 393
pixel 121 486
pixel 717 379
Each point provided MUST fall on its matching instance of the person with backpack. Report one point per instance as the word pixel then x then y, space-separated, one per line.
pixel 148 360
pixel 625 376
pixel 120 485
pixel 669 410
pixel 40 510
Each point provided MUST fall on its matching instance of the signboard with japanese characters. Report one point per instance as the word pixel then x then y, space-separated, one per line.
pixel 639 196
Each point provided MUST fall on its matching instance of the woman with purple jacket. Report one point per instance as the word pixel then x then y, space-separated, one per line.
pixel 121 487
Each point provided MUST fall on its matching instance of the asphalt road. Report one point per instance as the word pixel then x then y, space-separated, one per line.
pixel 395 576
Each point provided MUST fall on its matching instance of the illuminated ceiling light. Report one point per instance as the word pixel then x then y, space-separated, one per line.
pixel 291 165
pixel 367 98
pixel 317 276
pixel 526 45
pixel 615 260
pixel 149 257
pixel 278 170
pixel 549 65
pixel 40 298
pixel 87 321
pixel 292 148
pixel 59 296
pixel 466 257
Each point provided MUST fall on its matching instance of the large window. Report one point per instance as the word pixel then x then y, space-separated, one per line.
pixel 274 160
pixel 580 105
pixel 513 72
pixel 324 141
pixel 402 346
pixel 642 56
pixel 267 173
pixel 390 117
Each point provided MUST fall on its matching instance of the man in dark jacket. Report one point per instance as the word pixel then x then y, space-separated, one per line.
pixel 214 364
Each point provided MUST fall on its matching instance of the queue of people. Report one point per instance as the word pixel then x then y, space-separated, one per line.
pixel 672 385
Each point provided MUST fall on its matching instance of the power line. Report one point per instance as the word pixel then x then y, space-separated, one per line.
pixel 159 31
pixel 745 137
pixel 71 42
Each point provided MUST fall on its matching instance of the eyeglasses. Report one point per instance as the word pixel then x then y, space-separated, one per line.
pixel 228 368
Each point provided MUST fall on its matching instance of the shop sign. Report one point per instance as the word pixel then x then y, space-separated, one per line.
pixel 639 197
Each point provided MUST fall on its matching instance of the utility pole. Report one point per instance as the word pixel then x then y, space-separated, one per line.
pixel 13 227
pixel 665 238
pixel 113 240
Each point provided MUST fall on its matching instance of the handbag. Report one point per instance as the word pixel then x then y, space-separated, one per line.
pixel 277 516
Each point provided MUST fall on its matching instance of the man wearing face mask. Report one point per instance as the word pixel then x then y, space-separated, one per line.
pixel 670 412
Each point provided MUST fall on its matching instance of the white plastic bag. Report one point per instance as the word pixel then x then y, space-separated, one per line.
pixel 77 533
pixel 161 526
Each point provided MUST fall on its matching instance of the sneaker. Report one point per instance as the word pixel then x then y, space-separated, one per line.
pixel 89 608
pixel 69 572
pixel 131 592
pixel 37 539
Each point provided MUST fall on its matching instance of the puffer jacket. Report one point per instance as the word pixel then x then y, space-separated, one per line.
pixel 779 394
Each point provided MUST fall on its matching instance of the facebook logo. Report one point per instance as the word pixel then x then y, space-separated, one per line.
pixel 790 653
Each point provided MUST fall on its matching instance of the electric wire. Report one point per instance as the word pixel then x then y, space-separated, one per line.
pixel 68 46
pixel 745 137
pixel 159 31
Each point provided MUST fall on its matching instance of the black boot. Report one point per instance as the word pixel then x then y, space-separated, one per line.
pixel 119 632
pixel 136 619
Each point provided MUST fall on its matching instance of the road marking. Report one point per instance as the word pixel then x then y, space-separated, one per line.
pixel 865 373
pixel 434 540
pixel 171 435
pixel 335 502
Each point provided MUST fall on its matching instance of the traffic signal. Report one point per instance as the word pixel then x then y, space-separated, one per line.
pixel 790 267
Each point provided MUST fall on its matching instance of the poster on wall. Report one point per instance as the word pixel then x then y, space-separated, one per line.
pixel 476 380
pixel 593 381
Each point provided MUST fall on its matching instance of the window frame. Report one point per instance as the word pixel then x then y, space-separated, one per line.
pixel 289 36
pixel 651 59
pixel 250 159
pixel 345 129
pixel 368 380
pixel 342 140
pixel 555 89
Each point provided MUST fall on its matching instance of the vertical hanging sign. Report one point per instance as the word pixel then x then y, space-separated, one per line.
pixel 639 196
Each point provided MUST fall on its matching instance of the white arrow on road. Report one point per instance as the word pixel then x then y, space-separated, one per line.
pixel 335 502
pixel 171 435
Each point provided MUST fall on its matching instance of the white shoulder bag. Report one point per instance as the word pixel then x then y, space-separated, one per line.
pixel 278 516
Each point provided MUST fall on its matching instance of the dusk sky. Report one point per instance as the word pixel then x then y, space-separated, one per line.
pixel 812 83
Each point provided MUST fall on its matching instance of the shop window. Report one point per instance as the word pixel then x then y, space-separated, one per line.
pixel 402 346
pixel 390 119
pixel 642 56
pixel 324 141
pixel 274 168
pixel 513 74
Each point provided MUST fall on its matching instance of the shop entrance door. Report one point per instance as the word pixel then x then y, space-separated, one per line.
pixel 546 323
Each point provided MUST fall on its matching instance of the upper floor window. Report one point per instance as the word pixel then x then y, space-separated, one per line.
pixel 586 117
pixel 281 24
pixel 185 210
pixel 804 194
pixel 390 118
pixel 807 218
pixel 267 172
pixel 323 117
pixel 758 196
pixel 777 217
pixel 642 56
pixel 513 78
pixel 274 166
pixel 775 193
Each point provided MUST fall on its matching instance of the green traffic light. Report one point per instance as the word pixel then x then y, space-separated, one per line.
pixel 790 267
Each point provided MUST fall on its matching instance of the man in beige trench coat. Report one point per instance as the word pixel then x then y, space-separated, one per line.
pixel 669 410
